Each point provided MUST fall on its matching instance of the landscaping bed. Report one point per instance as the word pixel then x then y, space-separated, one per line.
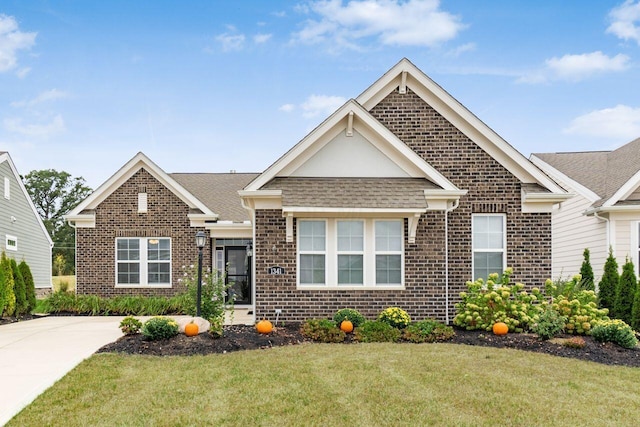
pixel 241 337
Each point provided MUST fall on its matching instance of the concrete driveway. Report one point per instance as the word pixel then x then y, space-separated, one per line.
pixel 34 354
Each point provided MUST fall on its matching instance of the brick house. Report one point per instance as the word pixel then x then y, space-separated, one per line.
pixel 398 198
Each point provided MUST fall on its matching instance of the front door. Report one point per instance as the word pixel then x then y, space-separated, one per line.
pixel 238 278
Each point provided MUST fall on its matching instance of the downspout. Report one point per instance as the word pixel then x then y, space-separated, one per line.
pixel 456 203
pixel 595 213
pixel 75 255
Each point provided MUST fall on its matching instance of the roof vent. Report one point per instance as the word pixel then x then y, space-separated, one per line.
pixel 232 171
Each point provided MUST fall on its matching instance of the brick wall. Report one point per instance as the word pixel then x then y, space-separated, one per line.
pixel 117 216
pixel 492 189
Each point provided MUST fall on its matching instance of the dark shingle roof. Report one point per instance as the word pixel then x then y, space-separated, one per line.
pixel 373 193
pixel 218 191
pixel 603 172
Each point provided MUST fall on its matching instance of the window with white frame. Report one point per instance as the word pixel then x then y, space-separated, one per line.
pixel 350 252
pixel 489 244
pixel 7 188
pixel 11 243
pixel 143 261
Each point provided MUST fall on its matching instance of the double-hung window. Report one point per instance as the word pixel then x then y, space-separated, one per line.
pixel 489 244
pixel 143 261
pixel 345 253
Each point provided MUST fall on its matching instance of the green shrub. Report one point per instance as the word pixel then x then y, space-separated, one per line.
pixel 575 342
pixel 427 331
pixel 376 331
pixel 19 289
pixel 29 285
pixel 615 331
pixel 635 312
pixel 322 330
pixel 498 301
pixel 158 328
pixel 216 327
pixel 130 325
pixel 550 323
pixel 586 272
pixel 395 316
pixel 625 293
pixel 350 314
pixel 609 282
pixel 8 286
pixel 213 290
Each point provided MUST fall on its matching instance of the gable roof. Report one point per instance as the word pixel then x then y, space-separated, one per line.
pixel 218 191
pixel 352 116
pixel 5 157
pixel 611 175
pixel 405 74
pixel 139 161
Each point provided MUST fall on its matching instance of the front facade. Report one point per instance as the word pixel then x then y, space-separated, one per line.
pixel 397 199
pixel 23 236
pixel 605 212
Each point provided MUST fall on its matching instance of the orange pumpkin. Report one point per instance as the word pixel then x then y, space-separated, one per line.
pixel 346 326
pixel 500 328
pixel 191 329
pixel 264 326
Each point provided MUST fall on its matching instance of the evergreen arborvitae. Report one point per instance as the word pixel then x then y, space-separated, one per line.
pixel 625 292
pixel 635 311
pixel 586 271
pixel 19 289
pixel 3 292
pixel 10 296
pixel 608 283
pixel 29 285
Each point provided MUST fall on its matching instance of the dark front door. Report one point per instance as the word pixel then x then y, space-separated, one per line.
pixel 238 278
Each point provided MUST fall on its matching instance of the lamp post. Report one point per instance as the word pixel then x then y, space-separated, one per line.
pixel 201 240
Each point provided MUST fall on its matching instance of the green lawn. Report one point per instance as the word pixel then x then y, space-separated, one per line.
pixel 341 385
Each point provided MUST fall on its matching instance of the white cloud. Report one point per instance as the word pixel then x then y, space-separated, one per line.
pixel 321 104
pixel 576 67
pixel 287 108
pixel 625 21
pixel 261 38
pixel 12 40
pixel 230 42
pixel 49 95
pixel 44 130
pixel 391 22
pixel 468 47
pixel 620 122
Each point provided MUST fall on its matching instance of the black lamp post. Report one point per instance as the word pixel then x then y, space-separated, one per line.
pixel 201 240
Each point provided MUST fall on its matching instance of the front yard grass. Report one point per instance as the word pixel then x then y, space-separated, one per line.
pixel 324 384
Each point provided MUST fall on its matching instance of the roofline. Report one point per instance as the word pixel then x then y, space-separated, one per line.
pixel 602 209
pixel 624 191
pixel 5 157
pixel 139 161
pixel 556 174
pixel 456 113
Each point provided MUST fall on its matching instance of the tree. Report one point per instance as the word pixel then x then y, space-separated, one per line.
pixel 586 271
pixel 8 286
pixel 19 289
pixel 625 292
pixel 635 311
pixel 54 194
pixel 609 282
pixel 29 285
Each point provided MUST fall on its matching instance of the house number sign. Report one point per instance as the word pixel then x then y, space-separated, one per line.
pixel 276 270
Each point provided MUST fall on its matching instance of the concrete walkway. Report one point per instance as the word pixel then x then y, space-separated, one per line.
pixel 34 354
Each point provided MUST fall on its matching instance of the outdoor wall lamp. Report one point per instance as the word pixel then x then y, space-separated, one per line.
pixel 201 240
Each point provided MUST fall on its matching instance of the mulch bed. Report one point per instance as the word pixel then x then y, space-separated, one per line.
pixel 240 337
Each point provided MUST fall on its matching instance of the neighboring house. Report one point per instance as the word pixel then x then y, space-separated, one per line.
pixel 605 211
pixel 397 199
pixel 23 235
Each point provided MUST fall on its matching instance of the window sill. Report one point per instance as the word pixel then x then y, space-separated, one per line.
pixel 350 288
pixel 159 286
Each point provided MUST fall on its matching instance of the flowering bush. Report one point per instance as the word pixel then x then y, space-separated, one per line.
pixel 615 331
pixel 575 342
pixel 159 327
pixel 214 299
pixel 579 306
pixel 396 317
pixel 130 325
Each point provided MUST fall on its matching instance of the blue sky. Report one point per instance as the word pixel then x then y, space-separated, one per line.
pixel 210 86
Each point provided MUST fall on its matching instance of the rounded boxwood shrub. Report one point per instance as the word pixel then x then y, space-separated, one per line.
pixel 350 314
pixel 395 316
pixel 615 331
pixel 427 331
pixel 376 331
pixel 159 327
pixel 322 330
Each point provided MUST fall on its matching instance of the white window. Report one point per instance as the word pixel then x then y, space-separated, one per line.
pixel 7 188
pixel 11 243
pixel 489 243
pixel 348 253
pixel 143 261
